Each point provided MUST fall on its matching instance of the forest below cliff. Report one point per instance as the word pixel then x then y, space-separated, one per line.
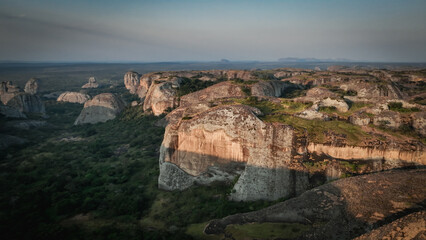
pixel 98 182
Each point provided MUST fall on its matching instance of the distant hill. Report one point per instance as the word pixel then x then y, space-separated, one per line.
pixel 299 60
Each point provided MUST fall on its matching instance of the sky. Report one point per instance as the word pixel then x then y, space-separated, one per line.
pixel 201 30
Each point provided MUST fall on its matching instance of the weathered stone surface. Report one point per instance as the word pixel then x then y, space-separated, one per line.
pixel 131 81
pixel 8 91
pixel 240 74
pixel 312 113
pixel 73 97
pixel 32 86
pixel 91 84
pixel 419 122
pixel 269 88
pixel 319 93
pixel 353 153
pixel 340 105
pixel 212 93
pixel 27 103
pixel 161 97
pixel 360 119
pixel 228 138
pixel 343 209
pixel 101 108
pixel 388 119
pixel 411 226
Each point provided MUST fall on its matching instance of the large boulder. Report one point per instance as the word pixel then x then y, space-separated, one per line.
pixel 388 119
pixel 131 81
pixel 339 104
pixel 161 97
pixel 91 84
pixel 31 87
pixel 73 97
pixel 101 108
pixel 224 142
pixel 269 88
pixel 27 103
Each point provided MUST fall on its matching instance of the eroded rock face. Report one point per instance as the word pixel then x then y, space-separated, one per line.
pixel 160 98
pixel 419 122
pixel 131 81
pixel 27 103
pixel 101 108
pixel 11 112
pixel 8 91
pixel 223 142
pixel 31 87
pixel 73 97
pixel 269 88
pixel 388 119
pixel 91 84
pixel 212 93
pixel 360 119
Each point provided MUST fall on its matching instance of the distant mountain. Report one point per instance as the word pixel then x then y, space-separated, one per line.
pixel 299 60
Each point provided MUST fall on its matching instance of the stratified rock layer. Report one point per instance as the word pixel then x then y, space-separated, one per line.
pixel 226 141
pixel 101 108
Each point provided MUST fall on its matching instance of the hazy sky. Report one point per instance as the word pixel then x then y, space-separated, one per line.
pixel 179 30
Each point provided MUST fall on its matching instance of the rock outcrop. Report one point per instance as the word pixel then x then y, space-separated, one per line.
pixel 388 119
pixel 419 122
pixel 32 86
pixel 269 88
pixel 343 209
pixel 101 108
pixel 223 142
pixel 91 84
pixel 8 91
pixel 27 103
pixel 161 97
pixel 73 97
pixel 131 81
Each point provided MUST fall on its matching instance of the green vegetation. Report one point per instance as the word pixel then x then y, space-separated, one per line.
pixel 266 230
pixel 340 91
pixel 243 82
pixel 264 75
pixel 189 85
pixel 419 100
pixel 268 107
pixel 318 129
pixel 99 182
pixel 397 107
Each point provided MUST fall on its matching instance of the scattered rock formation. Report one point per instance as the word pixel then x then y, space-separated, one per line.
pixel 11 112
pixel 73 97
pixel 91 84
pixel 419 122
pixel 340 105
pixel 101 108
pixel 32 86
pixel 360 119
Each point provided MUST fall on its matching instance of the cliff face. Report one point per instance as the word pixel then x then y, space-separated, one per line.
pixel 223 142
pixel 131 81
pixel 27 103
pixel 101 108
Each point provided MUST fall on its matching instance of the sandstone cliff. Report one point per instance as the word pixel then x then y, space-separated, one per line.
pixel 8 91
pixel 73 97
pixel 223 142
pixel 161 97
pixel 101 108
